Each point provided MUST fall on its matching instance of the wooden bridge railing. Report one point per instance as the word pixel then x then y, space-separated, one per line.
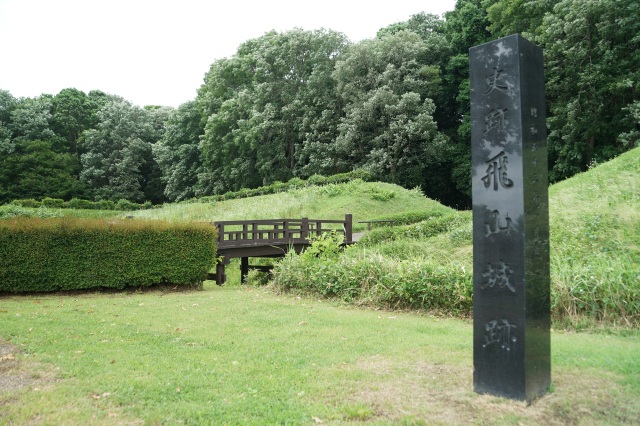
pixel 270 238
pixel 238 233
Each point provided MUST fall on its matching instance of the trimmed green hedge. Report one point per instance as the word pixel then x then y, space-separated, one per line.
pixel 75 203
pixel 74 254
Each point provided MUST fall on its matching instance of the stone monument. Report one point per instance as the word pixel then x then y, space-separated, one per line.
pixel 511 284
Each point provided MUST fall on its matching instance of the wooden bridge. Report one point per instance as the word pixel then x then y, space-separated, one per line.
pixel 270 238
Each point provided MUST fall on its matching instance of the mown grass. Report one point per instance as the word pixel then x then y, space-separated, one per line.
pixel 235 355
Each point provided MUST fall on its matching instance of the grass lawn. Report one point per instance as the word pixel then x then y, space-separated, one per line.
pixel 236 355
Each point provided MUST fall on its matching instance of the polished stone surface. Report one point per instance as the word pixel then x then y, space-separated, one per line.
pixel 511 289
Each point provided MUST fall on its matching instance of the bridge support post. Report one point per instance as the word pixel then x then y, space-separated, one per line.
pixel 221 277
pixel 244 269
pixel 348 228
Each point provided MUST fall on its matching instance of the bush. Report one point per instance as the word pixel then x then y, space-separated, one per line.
pixel 126 205
pixel 64 254
pixel 52 203
pixel 27 203
pixel 11 211
pixel 295 182
pixel 105 205
pixel 317 180
pixel 372 279
pixel 76 203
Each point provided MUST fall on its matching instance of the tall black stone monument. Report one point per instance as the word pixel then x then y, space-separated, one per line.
pixel 511 302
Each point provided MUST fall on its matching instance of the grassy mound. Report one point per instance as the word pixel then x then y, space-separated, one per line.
pixel 595 256
pixel 365 200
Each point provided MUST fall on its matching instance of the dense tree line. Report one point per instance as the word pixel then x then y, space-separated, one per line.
pixel 301 103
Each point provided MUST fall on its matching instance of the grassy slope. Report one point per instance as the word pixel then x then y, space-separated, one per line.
pixel 365 200
pixel 595 231
pixel 594 219
pixel 595 245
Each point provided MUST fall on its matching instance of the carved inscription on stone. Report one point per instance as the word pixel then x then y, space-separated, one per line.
pixel 498 332
pixel 497 276
pixel 495 225
pixel 510 219
pixel 497 172
pixel 495 81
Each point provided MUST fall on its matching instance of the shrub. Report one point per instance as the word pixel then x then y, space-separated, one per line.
pixel 295 182
pixel 381 195
pixel 317 180
pixel 27 203
pixel 11 211
pixel 372 279
pixel 278 186
pixel 361 174
pixel 105 205
pixel 126 205
pixel 76 203
pixel 52 203
pixel 65 254
pixel 425 229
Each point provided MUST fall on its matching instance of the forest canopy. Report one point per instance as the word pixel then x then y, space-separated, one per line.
pixel 303 103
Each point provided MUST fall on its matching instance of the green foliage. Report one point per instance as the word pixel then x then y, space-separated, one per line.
pixel 15 210
pixel 34 170
pixel 80 204
pixel 52 203
pixel 264 104
pixel 178 153
pixel 125 205
pixel 325 246
pixel 389 128
pixel 369 278
pixel 430 227
pixel 295 183
pixel 76 203
pixel 591 60
pixel 118 161
pixel 65 254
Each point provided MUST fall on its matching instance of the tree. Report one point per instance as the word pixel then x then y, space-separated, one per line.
pixel 118 152
pixel 178 154
pixel 71 115
pixel 264 104
pixel 517 16
pixel 465 27
pixel 34 170
pixel 30 120
pixel 592 78
pixel 7 105
pixel 389 127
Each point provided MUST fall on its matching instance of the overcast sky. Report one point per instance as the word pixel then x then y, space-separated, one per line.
pixel 156 52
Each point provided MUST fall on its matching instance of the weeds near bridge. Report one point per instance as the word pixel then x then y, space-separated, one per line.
pixel 369 278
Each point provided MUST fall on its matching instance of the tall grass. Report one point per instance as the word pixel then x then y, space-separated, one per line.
pixel 595 255
pixel 595 231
